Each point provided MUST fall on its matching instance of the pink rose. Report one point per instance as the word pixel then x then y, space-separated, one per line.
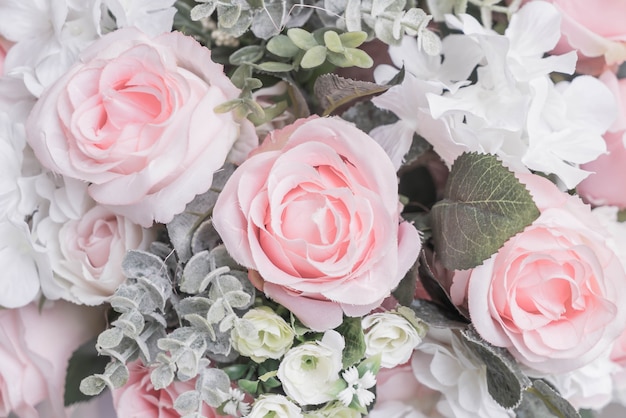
pixel 314 213
pixel 601 187
pixel 139 399
pixel 553 294
pixel 86 254
pixel 596 30
pixel 34 351
pixel 135 118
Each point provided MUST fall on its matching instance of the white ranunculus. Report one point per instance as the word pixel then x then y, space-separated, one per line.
pixel 272 337
pixel 152 17
pixel 309 371
pixel 390 335
pixel 443 363
pixel 277 406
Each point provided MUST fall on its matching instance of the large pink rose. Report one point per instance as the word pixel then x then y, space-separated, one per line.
pixel 139 399
pixel 596 30
pixel 315 214
pixel 35 347
pixel 603 187
pixel 553 294
pixel 135 118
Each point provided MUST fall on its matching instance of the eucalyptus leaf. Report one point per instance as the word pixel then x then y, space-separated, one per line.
pixel 246 54
pixel 197 268
pixel 353 15
pixel 187 402
pixel 162 376
pixel 203 10
pixel 214 386
pixel 84 362
pixel 352 39
pixel 484 205
pixel 302 38
pixel 228 14
pixel 314 57
pixel 274 67
pixel 282 46
pixel 183 226
pixel 333 41
pixel 110 338
pixel 269 20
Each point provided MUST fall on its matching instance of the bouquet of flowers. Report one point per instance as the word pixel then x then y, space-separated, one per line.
pixel 312 208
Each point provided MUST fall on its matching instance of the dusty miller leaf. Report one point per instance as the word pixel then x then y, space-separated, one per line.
pixel 484 205
pixel 435 316
pixel 187 402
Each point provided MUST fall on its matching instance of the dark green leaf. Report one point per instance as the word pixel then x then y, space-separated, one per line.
pixel 84 362
pixel 352 332
pixel 405 291
pixel 435 316
pixel 248 386
pixel 558 406
pixel 333 91
pixel 505 381
pixel 484 206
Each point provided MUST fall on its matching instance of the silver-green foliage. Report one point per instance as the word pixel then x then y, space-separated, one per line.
pixel 387 20
pixel 200 294
pixel 265 18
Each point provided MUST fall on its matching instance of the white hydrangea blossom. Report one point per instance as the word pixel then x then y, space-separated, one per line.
pixel 48 36
pixel 513 110
pixel 443 363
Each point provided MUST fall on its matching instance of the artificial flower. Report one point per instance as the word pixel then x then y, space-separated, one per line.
pixel 321 233
pixel 390 335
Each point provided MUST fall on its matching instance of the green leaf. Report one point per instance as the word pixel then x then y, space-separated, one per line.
pixel 540 400
pixel 248 386
pixel 84 362
pixel 505 380
pixel 484 205
pixel 371 364
pixel 333 91
pixel 302 38
pixel 353 39
pixel 274 67
pixel 246 54
pixel 352 332
pixel 282 46
pixel 435 316
pixel 333 41
pixel 314 57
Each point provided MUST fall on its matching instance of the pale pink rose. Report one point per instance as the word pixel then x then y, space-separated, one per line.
pixel 3 54
pixel 35 347
pixel 86 254
pixel 314 214
pixel 596 30
pixel 135 118
pixel 553 294
pixel 139 399
pixel 601 187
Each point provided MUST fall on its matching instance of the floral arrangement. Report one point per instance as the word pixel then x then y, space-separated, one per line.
pixel 312 208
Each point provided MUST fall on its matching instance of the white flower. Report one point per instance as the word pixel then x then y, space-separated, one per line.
pixel 275 406
pixel 333 410
pixel 24 264
pixel 589 387
pixel 390 335
pixel 443 363
pixel 235 405
pixel 309 371
pixel 357 386
pixel 152 17
pixel 271 338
